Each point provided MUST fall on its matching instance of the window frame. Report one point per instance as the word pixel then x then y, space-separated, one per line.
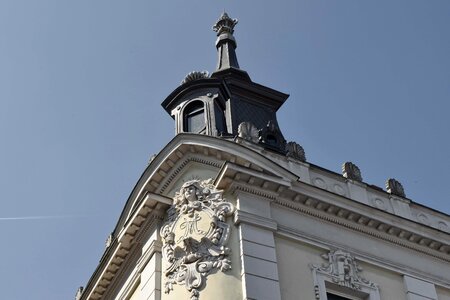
pixel 340 276
pixel 323 284
pixel 191 109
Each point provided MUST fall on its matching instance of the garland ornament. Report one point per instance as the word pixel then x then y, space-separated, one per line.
pixel 195 236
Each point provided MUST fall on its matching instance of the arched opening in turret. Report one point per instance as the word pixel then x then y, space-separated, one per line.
pixel 271 140
pixel 194 117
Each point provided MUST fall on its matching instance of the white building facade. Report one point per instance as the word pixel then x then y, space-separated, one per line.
pixel 230 210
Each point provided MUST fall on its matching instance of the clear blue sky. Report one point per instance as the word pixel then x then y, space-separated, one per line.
pixel 81 84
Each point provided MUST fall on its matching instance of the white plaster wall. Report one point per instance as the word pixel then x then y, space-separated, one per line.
pixel 296 279
pixel 390 283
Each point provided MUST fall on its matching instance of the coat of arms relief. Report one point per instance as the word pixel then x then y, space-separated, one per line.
pixel 195 235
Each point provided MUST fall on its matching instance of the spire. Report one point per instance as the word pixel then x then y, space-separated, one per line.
pixel 226 45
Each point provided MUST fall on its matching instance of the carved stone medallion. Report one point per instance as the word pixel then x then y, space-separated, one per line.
pixel 343 270
pixel 195 236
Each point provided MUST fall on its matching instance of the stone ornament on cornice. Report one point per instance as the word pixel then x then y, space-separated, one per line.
pixel 109 240
pixel 394 187
pixel 195 235
pixel 295 151
pixel 351 171
pixel 79 293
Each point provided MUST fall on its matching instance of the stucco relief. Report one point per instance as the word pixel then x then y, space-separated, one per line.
pixel 342 269
pixel 319 182
pixel 379 203
pixel 195 236
pixel 442 226
pixel 339 190
pixel 423 218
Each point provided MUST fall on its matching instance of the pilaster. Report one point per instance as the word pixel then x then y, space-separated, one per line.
pixel 257 248
pixel 417 289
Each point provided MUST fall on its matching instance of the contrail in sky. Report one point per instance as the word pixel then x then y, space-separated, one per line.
pixel 42 217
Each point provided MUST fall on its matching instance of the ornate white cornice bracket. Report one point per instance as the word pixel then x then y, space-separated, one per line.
pixel 195 235
pixel 343 270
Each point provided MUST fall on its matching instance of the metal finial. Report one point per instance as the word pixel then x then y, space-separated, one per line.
pixel 225 24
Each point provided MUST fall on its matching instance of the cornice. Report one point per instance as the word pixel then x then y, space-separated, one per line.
pixel 181 164
pixel 296 235
pixel 144 258
pixel 360 223
pixel 341 211
pixel 150 211
pixel 245 217
pixel 185 148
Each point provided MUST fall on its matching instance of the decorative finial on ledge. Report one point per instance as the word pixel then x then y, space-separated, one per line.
pixel 249 132
pixel 394 187
pixel 79 293
pixel 109 241
pixel 351 171
pixel 195 75
pixel 225 24
pixel 295 151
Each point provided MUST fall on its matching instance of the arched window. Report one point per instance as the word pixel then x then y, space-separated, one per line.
pixel 194 117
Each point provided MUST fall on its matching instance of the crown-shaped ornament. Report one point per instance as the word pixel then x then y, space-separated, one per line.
pixel 225 24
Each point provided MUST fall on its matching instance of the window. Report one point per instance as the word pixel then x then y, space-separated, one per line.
pixel 341 279
pixel 335 297
pixel 194 117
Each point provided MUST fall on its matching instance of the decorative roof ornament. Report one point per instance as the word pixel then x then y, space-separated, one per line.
pixel 109 241
pixel 295 151
pixel 151 159
pixel 225 24
pixel 351 171
pixel 79 293
pixel 195 75
pixel 248 131
pixel 272 137
pixel 227 62
pixel 394 187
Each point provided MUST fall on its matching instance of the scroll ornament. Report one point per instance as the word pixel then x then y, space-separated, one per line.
pixel 195 235
pixel 248 131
